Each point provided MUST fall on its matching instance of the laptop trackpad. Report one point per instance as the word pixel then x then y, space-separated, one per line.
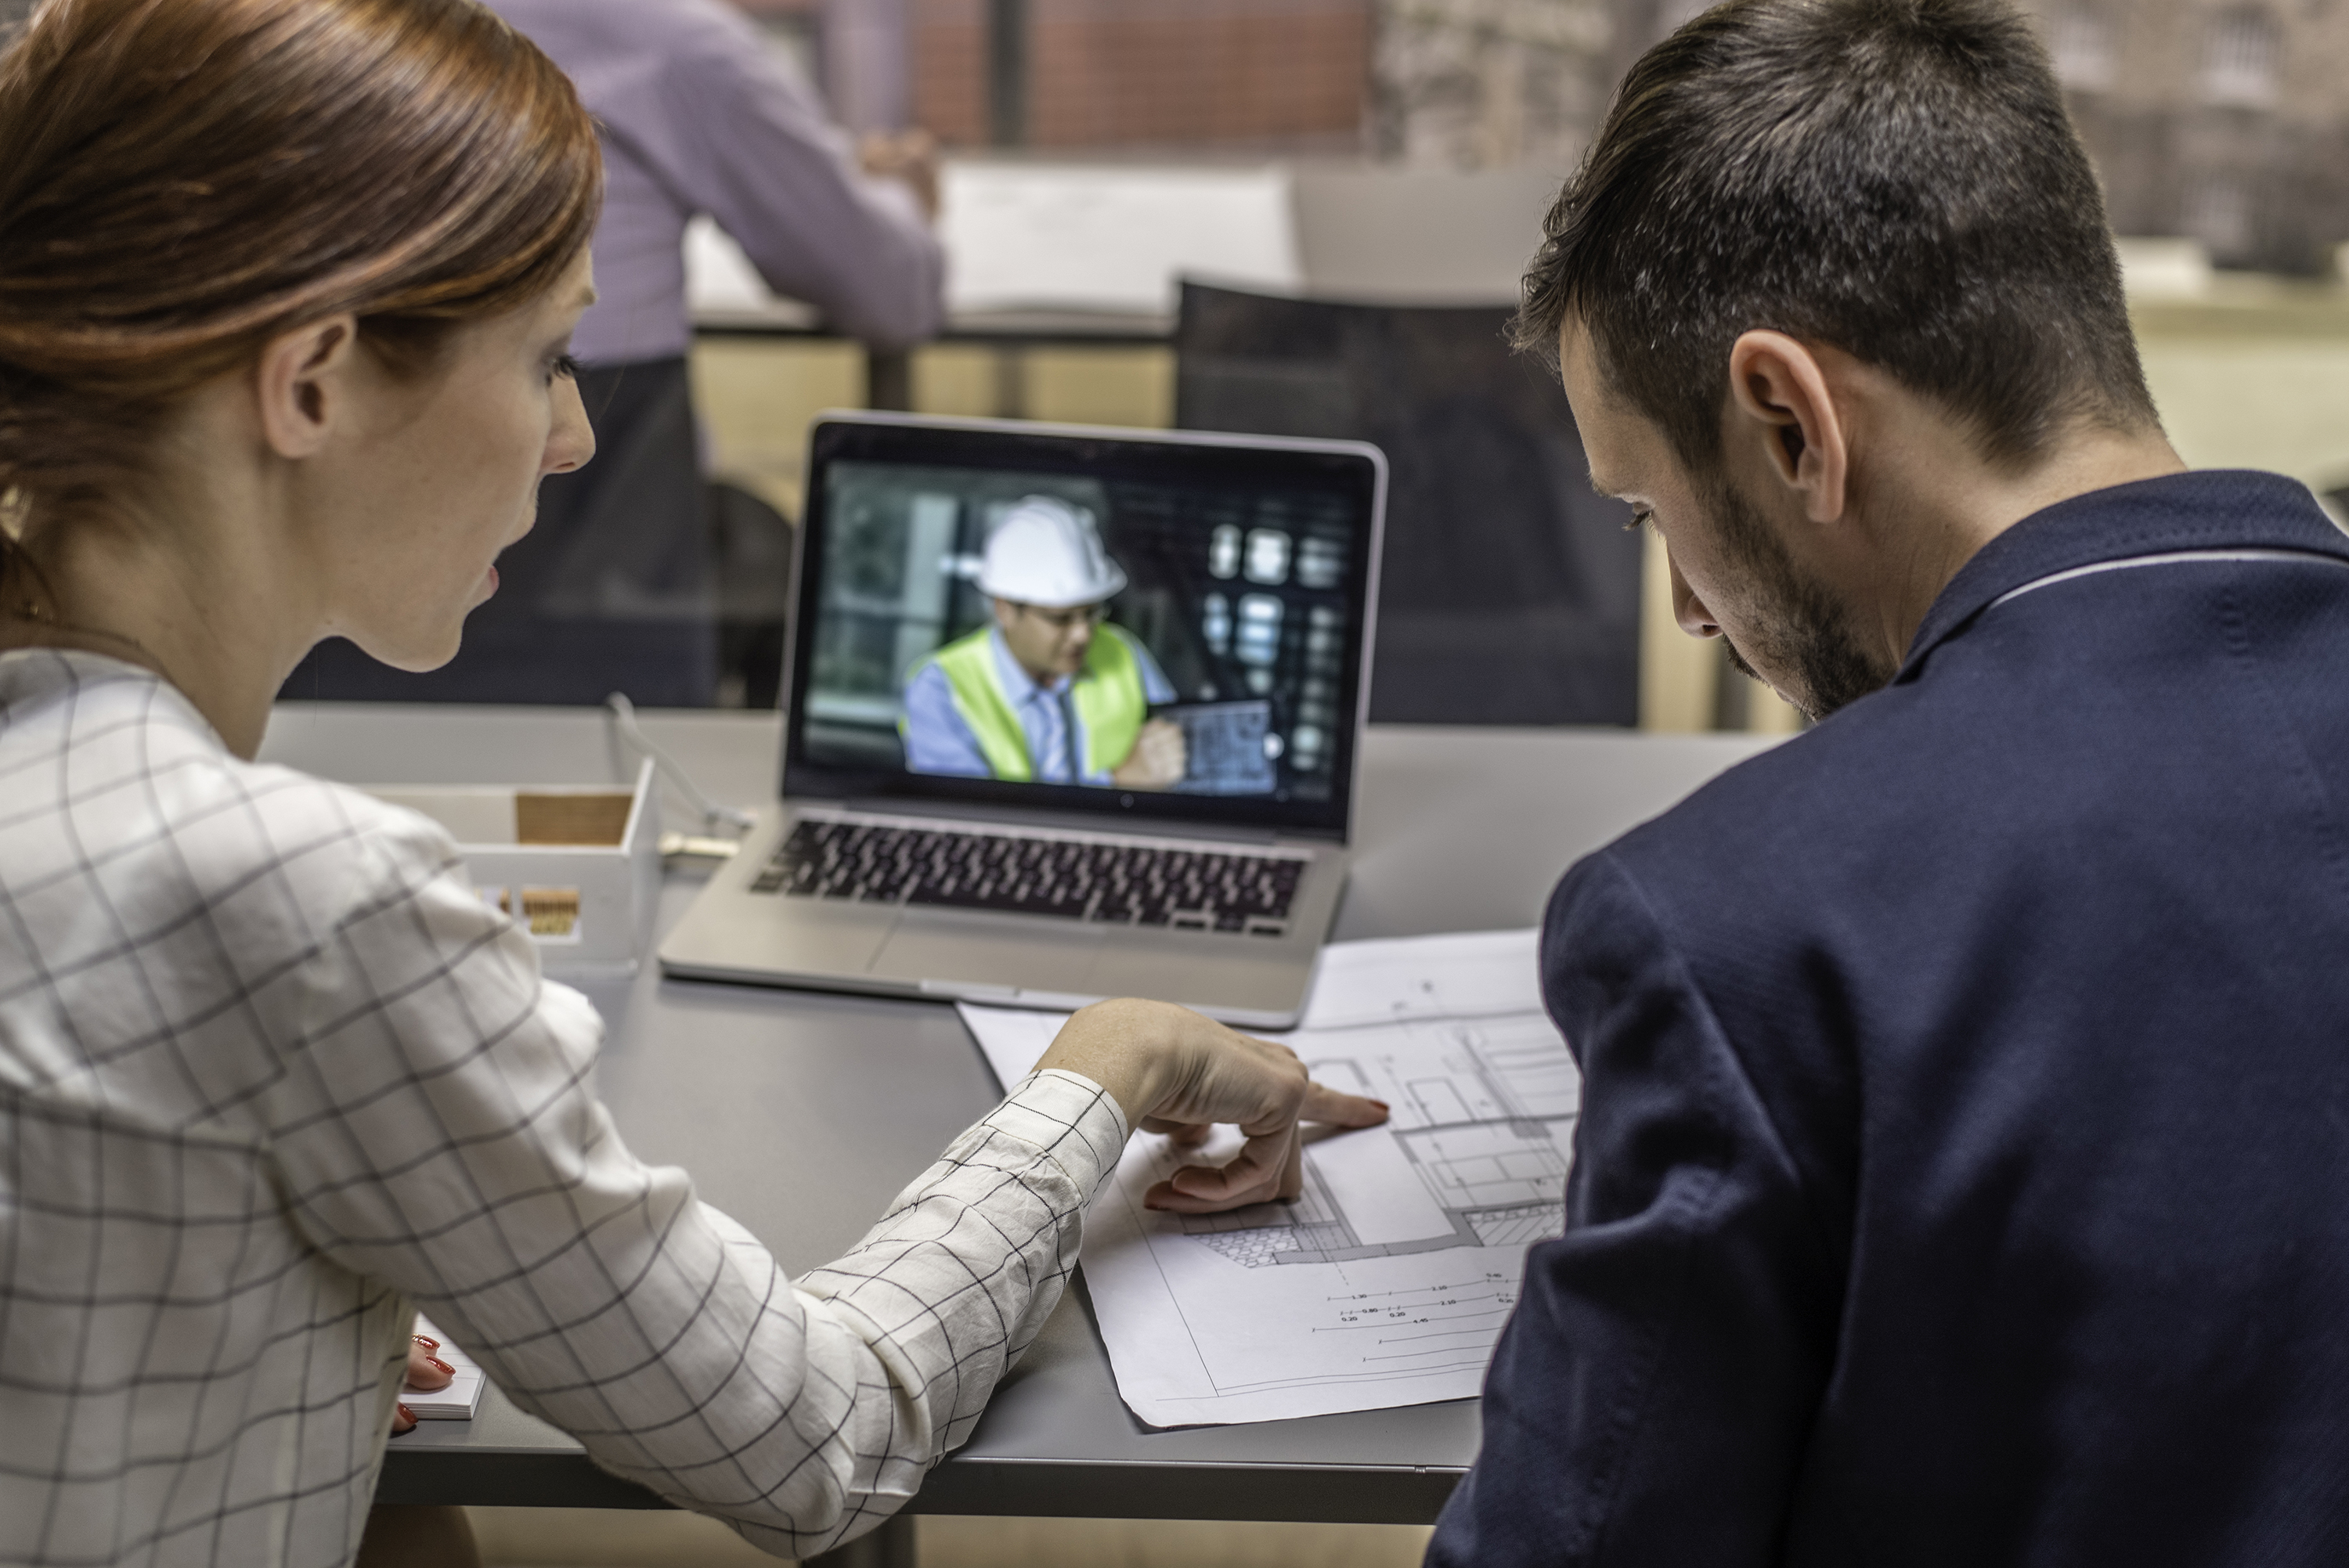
pixel 988 949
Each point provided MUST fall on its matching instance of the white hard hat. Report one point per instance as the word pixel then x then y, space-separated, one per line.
pixel 1046 552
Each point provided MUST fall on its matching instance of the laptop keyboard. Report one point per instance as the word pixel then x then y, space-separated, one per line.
pixel 1075 879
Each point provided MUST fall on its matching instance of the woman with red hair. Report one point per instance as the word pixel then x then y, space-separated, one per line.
pixel 286 287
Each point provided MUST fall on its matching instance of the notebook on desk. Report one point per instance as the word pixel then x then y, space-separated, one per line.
pixel 1071 712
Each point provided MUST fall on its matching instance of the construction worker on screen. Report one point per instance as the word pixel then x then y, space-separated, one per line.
pixel 1050 693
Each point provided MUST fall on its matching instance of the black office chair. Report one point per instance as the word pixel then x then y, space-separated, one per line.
pixel 751 543
pixel 1510 591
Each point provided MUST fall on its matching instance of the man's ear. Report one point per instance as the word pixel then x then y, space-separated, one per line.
pixel 305 384
pixel 1775 383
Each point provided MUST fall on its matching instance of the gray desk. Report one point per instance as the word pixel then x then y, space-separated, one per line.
pixel 801 1115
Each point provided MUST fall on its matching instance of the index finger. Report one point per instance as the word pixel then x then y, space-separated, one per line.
pixel 1323 1103
pixel 421 1371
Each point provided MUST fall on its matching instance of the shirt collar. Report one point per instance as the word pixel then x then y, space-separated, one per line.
pixel 29 676
pixel 1018 685
pixel 2217 508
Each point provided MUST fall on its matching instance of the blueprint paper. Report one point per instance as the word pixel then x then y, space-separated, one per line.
pixel 1388 1282
pixel 1471 975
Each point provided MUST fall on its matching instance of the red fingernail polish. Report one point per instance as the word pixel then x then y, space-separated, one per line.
pixel 427 1343
pixel 407 1414
pixel 442 1365
pixel 1383 1105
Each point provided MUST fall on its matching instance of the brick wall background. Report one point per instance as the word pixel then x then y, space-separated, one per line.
pixel 1242 75
pixel 2214 120
pixel 1111 71
pixel 949 46
pixel 1283 74
pixel 2222 120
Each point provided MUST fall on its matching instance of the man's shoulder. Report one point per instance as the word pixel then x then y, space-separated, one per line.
pixel 2046 738
pixel 927 683
pixel 1885 750
pixel 967 651
pixel 1856 819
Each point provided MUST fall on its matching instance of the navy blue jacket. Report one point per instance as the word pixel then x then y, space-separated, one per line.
pixel 1964 1170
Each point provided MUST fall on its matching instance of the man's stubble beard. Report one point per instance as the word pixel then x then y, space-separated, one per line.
pixel 1800 630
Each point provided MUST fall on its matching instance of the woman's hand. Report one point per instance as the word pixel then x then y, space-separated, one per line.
pixel 911 156
pixel 425 1371
pixel 1174 1072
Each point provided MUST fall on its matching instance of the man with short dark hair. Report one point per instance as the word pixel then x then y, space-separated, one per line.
pixel 1963 1175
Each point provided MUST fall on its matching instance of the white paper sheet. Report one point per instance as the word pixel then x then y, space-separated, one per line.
pixel 1109 237
pixel 1058 237
pixel 1388 1282
pixel 722 286
pixel 1469 974
pixel 718 276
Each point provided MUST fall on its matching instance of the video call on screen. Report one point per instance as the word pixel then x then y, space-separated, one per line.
pixel 1239 597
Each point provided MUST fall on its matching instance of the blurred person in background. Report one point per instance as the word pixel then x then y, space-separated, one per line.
pixel 615 591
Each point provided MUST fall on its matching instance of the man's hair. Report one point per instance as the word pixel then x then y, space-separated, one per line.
pixel 1895 177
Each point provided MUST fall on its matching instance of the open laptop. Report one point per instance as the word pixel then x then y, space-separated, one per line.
pixel 1161 812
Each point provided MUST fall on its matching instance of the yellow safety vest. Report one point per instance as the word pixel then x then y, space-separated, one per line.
pixel 1107 694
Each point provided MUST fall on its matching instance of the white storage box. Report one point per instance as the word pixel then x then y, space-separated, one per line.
pixel 579 865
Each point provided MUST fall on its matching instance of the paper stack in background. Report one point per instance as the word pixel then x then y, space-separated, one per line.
pixel 1388 1282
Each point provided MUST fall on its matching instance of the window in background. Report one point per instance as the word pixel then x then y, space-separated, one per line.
pixel 2084 48
pixel 2238 66
pixel 1216 622
pixel 1267 555
pixel 1224 551
pixel 2219 213
pixel 1259 639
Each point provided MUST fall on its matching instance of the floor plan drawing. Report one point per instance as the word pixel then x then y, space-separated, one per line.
pixel 1490 1136
pixel 1388 1280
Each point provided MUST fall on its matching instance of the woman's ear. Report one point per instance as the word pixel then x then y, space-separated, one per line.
pixel 1779 397
pixel 305 384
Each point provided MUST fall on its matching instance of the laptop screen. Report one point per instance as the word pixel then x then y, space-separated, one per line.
pixel 1157 625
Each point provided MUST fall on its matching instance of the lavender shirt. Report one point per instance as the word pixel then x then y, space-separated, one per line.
pixel 698 116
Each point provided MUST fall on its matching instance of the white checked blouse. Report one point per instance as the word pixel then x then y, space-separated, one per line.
pixel 270 1076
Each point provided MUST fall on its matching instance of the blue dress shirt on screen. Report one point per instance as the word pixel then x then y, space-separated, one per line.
pixel 1964 1170
pixel 939 740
